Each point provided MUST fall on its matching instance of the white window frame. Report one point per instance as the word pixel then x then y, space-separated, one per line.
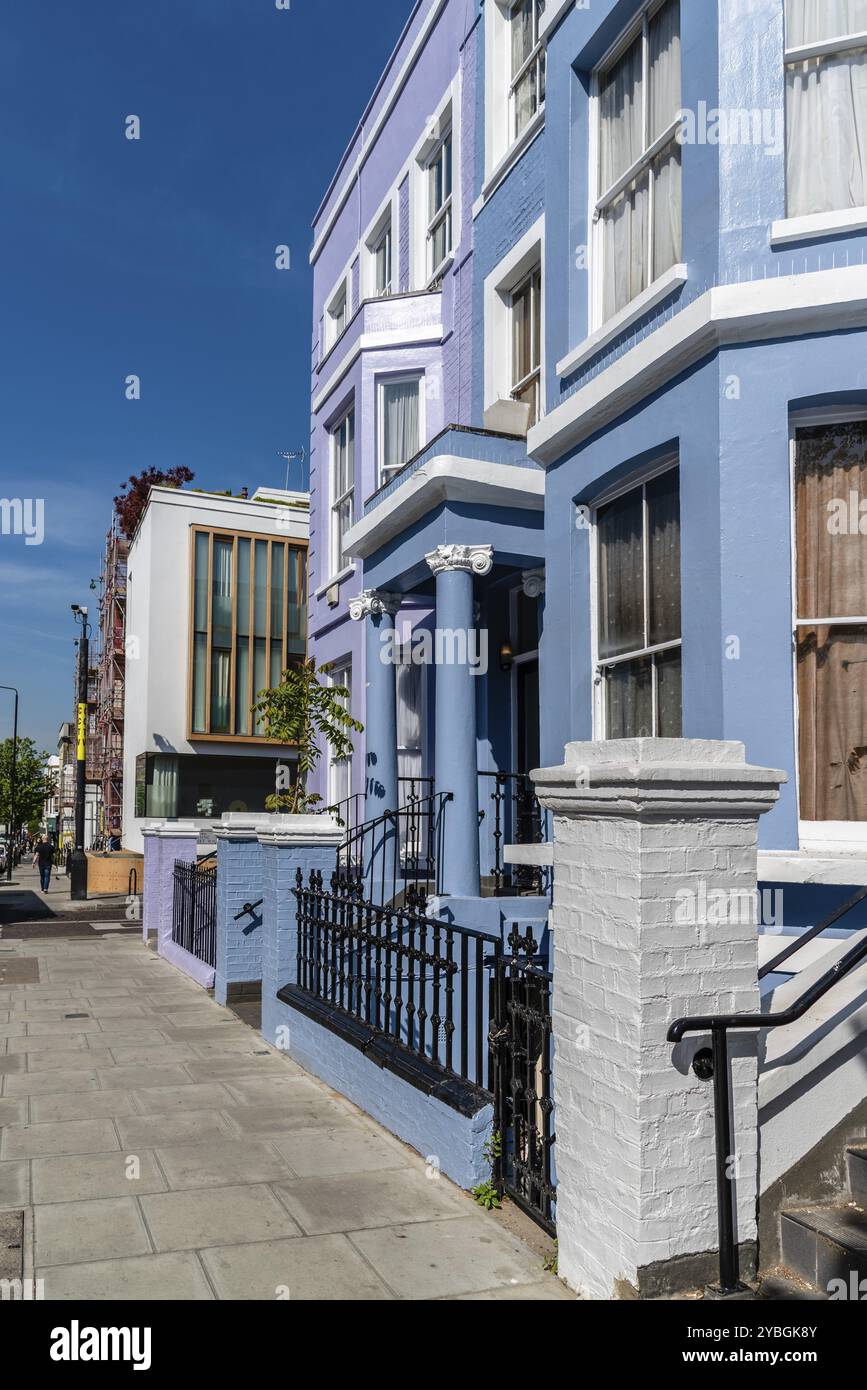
pixel 816 223
pixel 600 199
pixel 537 306
pixel 833 836
pixel 600 712
pixel 442 215
pixel 536 59
pixel 341 294
pixel 502 146
pixel 337 562
pixel 499 287
pixel 518 659
pixel 383 474
pixel 338 670
pixel 424 276
pixel 386 223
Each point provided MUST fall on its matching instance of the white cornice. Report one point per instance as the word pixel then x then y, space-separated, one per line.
pixel 445 479
pixel 382 341
pixel 785 307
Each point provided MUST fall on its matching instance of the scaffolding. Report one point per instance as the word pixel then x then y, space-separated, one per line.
pixel 111 679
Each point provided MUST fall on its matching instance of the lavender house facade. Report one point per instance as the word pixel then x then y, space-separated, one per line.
pixel 427 515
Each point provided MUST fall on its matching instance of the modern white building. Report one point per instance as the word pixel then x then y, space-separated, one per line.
pixel 216 610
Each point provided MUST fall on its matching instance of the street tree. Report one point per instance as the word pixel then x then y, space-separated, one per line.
pixel 307 713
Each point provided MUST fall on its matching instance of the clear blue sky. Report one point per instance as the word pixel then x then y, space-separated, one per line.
pixel 154 257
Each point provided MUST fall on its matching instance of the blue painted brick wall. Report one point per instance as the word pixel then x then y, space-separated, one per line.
pixel 239 944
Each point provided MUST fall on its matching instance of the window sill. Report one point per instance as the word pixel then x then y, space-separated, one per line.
pixel 667 284
pixel 342 575
pixel 831 866
pixel 817 225
pixel 509 159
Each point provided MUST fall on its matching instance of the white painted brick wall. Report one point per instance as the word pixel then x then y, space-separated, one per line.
pixel 635 1126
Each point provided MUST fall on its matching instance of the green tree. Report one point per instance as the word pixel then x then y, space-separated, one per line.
pixel 308 714
pixel 30 782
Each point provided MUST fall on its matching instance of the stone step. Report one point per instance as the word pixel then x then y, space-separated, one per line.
pixel 857 1157
pixel 823 1244
pixel 782 1288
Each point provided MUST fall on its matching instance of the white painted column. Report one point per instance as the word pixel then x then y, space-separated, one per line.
pixel 655 856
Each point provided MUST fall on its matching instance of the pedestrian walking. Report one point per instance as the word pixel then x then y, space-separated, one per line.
pixel 43 858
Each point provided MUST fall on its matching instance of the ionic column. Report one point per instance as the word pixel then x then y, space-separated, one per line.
pixel 453 567
pixel 377 611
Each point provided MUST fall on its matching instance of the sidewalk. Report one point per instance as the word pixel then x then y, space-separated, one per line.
pixel 161 1150
pixel 23 901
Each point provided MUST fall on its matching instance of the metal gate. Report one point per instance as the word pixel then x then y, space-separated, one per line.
pixel 194 909
pixel 521 1048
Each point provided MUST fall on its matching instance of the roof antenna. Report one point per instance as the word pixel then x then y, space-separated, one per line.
pixel 290 457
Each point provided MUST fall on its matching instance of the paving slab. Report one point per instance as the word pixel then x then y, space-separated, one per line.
pixel 181 1127
pixel 352 1149
pixel 551 1290
pixel 245 1065
pixel 70 1232
pixel 221 1163
pixel 325 1205
pixel 43 1083
pixel 62 1060
pixel 438 1259
pixel 216 1216
pixel 13 1111
pixel 158 1100
pixel 66 1137
pixel 142 1278
pixel 310 1268
pixel 142 1076
pixel 97 1175
pixel 13 1186
pixel 88 1105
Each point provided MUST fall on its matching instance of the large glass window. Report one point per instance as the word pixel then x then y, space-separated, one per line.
pixel 831 636
pixel 244 589
pixel 439 232
pixel 639 638
pixel 340 769
pixel 342 488
pixel 381 253
pixel 400 423
pixel 527 88
pixel 527 342
pixel 201 786
pixel 826 105
pixel 638 208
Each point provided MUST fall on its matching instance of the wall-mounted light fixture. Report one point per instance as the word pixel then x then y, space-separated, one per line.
pixel 507 656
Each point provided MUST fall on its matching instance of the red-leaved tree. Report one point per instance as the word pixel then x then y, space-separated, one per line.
pixel 132 498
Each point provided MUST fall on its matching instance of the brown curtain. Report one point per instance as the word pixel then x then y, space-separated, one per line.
pixel 830 483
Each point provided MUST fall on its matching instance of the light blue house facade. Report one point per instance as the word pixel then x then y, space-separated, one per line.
pixel 641 409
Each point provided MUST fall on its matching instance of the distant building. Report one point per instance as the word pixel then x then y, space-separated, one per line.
pixel 216 610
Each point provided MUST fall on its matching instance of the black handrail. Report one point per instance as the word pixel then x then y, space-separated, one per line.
pixel 399 850
pixel 715 1064
pixel 795 946
pixel 248 910
pixel 527 826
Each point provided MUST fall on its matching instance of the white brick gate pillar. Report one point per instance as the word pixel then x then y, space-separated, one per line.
pixel 655 854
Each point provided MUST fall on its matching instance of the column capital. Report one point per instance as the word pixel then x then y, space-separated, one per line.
pixel 533 582
pixel 372 603
pixel 477 559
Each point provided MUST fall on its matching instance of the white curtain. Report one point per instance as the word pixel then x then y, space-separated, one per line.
pixel 401 423
pixel 409 715
pixel 826 111
pixel 664 39
pixel 164 792
pixel 624 249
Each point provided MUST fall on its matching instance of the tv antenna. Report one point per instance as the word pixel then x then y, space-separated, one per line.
pixel 290 457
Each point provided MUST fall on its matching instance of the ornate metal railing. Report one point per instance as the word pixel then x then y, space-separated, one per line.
pixel 194 909
pixel 398 850
pixel 516 818
pixel 712 1063
pixel 398 978
pixel 522 1042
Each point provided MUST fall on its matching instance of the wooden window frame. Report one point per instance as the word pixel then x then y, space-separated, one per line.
pixel 219 533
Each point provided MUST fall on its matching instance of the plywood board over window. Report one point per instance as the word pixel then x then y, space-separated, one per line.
pixel 248 623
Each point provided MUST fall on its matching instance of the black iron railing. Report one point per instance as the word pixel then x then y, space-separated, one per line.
pixel 516 818
pixel 522 1041
pixel 713 1063
pixel 411 981
pixel 398 850
pixel 349 812
pixel 194 909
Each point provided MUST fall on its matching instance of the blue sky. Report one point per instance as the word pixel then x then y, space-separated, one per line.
pixel 154 257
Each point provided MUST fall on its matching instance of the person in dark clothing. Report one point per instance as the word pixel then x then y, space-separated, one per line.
pixel 43 858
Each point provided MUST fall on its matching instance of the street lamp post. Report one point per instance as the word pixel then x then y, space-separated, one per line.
pixel 78 861
pixel 13 785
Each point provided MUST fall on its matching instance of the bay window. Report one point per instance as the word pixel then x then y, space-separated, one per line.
pixel 637 214
pixel 400 423
pixel 527 87
pixel 527 342
pixel 249 622
pixel 639 632
pixel 826 105
pixel 439 231
pixel 342 488
pixel 830 479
